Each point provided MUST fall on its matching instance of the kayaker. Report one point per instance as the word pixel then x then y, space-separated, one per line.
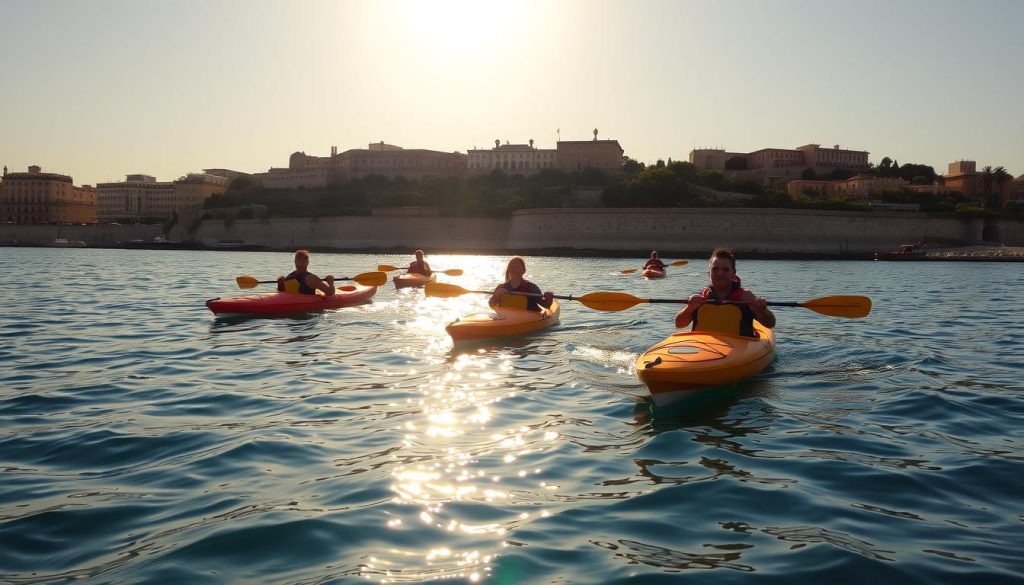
pixel 302 281
pixel 725 286
pixel 515 283
pixel 419 266
pixel 654 262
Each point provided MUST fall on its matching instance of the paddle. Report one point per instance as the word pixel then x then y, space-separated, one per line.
pixel 365 279
pixel 848 306
pixel 389 268
pixel 676 263
pixel 596 300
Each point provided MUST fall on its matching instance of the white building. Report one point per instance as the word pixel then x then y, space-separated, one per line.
pixel 513 159
pixel 133 199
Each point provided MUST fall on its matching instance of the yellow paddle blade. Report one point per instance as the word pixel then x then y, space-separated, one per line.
pixel 247 282
pixel 369 278
pixel 386 267
pixel 849 306
pixel 680 263
pixel 609 301
pixel 452 272
pixel 628 271
pixel 445 290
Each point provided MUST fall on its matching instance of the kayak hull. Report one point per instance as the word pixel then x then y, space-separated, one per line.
pixel 283 303
pixel 412 280
pixel 654 273
pixel 503 322
pixel 690 361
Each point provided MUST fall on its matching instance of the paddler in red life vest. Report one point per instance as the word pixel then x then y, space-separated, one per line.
pixel 725 285
pixel 654 262
pixel 419 266
pixel 514 282
pixel 302 281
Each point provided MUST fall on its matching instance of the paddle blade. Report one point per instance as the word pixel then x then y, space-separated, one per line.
pixel 628 271
pixel 453 272
pixel 849 306
pixel 246 282
pixel 386 267
pixel 444 290
pixel 609 301
pixel 680 263
pixel 369 278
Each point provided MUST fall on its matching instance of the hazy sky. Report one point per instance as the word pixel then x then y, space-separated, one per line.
pixel 102 88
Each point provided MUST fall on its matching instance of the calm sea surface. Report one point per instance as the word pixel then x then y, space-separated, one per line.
pixel 142 440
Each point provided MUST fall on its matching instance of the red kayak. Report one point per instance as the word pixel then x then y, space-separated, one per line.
pixel 283 303
pixel 653 273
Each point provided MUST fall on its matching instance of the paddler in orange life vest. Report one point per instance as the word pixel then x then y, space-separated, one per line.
pixel 514 282
pixel 419 266
pixel 654 262
pixel 303 281
pixel 725 285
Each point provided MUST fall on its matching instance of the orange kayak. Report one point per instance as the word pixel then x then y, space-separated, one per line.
pixel 503 322
pixel 689 361
pixel 284 303
pixel 412 279
pixel 653 273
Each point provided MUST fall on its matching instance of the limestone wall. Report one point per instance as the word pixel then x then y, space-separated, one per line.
pixel 749 230
pixel 357 232
pixel 768 231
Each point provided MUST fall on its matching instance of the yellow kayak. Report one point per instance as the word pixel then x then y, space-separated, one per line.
pixel 694 360
pixel 412 279
pixel 503 322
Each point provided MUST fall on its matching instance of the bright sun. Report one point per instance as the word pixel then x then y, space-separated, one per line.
pixel 461 25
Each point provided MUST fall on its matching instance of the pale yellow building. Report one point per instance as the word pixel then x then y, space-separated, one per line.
pixel 35 197
pixel 135 199
pixel 859 187
pixel 388 160
pixel 712 159
pixel 141 198
pixel 514 159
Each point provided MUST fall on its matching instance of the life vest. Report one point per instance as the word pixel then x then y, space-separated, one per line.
pixel 519 301
pixel 725 318
pixel 419 267
pixel 296 283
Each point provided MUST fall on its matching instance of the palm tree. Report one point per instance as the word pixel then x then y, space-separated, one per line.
pixel 1000 177
pixel 986 182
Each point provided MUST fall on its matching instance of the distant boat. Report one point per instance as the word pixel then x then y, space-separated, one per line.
pixel 66 243
pixel 158 243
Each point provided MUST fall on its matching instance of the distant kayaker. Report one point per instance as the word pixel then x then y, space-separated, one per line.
pixel 725 286
pixel 419 266
pixel 302 281
pixel 515 283
pixel 654 262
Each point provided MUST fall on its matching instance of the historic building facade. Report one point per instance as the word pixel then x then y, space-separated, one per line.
pixel 388 160
pixel 514 159
pixel 35 197
pixel 143 198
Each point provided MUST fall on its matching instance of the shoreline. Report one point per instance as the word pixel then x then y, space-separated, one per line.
pixel 976 253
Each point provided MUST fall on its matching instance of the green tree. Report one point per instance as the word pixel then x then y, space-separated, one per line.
pixel 987 176
pixel 808 174
pixel 631 167
pixel 736 163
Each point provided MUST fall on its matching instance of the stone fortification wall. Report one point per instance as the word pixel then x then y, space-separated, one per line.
pixel 361 232
pixel 772 231
pixel 93 235
pixel 1010 232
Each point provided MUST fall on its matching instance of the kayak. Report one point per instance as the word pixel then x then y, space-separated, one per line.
pixel 413 279
pixel 653 273
pixel 502 322
pixel 689 361
pixel 285 303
